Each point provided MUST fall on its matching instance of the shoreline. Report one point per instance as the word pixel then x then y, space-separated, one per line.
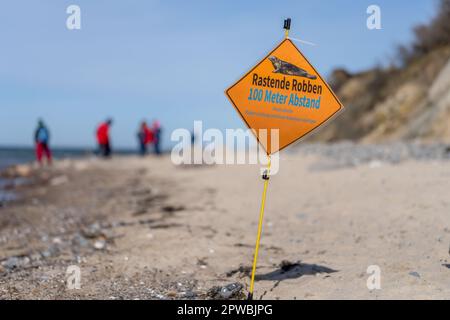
pixel 142 228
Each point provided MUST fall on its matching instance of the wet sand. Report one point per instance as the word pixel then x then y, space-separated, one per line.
pixel 146 229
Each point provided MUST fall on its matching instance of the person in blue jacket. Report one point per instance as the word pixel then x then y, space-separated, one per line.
pixel 42 139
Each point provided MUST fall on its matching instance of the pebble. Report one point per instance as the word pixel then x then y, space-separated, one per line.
pixel 232 290
pixel 93 231
pixel 57 240
pixel 23 170
pixel 59 180
pixel 414 274
pixel 15 262
pixel 79 240
pixel 100 244
pixel 51 251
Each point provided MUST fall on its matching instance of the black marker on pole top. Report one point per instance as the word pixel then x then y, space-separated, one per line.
pixel 287 26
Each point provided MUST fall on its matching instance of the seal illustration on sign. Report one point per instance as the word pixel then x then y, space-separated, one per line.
pixel 289 69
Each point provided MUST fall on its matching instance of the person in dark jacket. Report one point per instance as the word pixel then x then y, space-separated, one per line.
pixel 156 129
pixel 41 140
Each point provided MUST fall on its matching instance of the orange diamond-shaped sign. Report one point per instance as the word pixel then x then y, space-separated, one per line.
pixel 283 91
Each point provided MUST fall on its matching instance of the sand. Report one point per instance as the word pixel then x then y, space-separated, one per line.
pixel 142 228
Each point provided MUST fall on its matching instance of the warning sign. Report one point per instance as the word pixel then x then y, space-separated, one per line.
pixel 283 92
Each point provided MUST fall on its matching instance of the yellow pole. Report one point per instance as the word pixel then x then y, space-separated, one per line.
pixel 258 238
pixel 286 33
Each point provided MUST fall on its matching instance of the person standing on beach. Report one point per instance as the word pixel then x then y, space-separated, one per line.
pixel 156 128
pixel 103 140
pixel 145 136
pixel 41 139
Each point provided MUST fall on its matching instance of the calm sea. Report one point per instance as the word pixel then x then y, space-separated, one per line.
pixel 15 155
pixel 12 155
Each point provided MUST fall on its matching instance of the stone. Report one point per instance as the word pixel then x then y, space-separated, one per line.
pixel 232 290
pixel 100 244
pixel 23 170
pixel 414 274
pixel 59 180
pixel 15 262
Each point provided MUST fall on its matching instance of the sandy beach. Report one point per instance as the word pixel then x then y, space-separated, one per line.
pixel 142 228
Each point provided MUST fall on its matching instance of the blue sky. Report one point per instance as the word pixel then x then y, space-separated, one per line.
pixel 170 60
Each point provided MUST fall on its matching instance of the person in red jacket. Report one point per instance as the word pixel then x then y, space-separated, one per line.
pixel 103 140
pixel 145 137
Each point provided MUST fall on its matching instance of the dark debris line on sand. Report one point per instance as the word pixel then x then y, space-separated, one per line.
pixel 349 154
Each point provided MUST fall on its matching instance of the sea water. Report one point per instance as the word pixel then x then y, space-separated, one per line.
pixel 10 156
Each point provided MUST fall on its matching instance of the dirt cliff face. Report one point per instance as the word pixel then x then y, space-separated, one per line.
pixel 407 103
